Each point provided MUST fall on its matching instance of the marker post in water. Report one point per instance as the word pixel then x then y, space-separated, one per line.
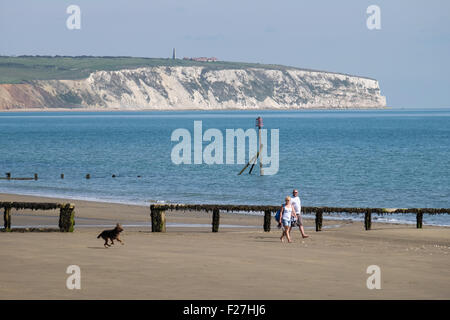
pixel 258 155
pixel 259 124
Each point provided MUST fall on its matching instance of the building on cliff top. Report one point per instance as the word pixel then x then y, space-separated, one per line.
pixel 202 59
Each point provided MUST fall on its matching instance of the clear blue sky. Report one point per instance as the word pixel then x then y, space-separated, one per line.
pixel 410 55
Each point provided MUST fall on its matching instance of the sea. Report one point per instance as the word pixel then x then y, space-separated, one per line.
pixel 390 158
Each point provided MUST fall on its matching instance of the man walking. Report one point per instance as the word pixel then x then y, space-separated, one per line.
pixel 296 203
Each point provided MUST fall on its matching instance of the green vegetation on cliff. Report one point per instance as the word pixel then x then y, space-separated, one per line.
pixel 22 69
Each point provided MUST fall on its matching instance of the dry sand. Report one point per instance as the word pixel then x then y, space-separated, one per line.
pixel 235 263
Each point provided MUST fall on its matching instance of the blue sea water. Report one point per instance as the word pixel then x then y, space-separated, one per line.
pixel 375 158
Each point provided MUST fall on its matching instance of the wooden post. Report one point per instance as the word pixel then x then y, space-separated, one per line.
pixel 88 176
pixel 261 171
pixel 7 218
pixel 35 176
pixel 62 175
pixel 419 218
pixel 215 220
pixel 253 165
pixel 267 220
pixel 368 220
pixel 67 217
pixel 319 218
pixel 158 220
pixel 248 163
pixel 8 175
pixel 259 124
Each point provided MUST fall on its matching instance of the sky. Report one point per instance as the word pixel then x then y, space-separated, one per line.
pixel 409 55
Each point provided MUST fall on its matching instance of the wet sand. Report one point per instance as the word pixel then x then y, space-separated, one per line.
pixel 235 263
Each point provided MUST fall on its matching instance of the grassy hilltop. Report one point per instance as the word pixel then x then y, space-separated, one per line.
pixel 22 69
pixel 25 68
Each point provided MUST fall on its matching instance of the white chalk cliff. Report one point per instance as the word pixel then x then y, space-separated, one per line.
pixel 197 87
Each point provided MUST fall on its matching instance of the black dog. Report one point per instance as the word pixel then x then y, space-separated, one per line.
pixel 112 235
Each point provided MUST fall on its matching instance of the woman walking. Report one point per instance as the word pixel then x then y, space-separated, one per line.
pixel 285 218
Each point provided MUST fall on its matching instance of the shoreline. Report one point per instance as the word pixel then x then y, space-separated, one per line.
pixel 88 109
pixel 336 219
pixel 97 212
pixel 57 198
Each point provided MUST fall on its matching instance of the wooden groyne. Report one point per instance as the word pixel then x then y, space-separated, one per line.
pixel 66 213
pixel 88 176
pixel 157 213
pixel 9 177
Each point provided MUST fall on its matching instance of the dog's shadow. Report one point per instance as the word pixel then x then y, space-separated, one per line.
pixel 97 248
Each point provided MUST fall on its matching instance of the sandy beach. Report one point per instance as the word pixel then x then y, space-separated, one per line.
pixel 241 261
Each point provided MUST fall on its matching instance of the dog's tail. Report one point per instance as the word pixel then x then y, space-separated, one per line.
pixel 99 235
